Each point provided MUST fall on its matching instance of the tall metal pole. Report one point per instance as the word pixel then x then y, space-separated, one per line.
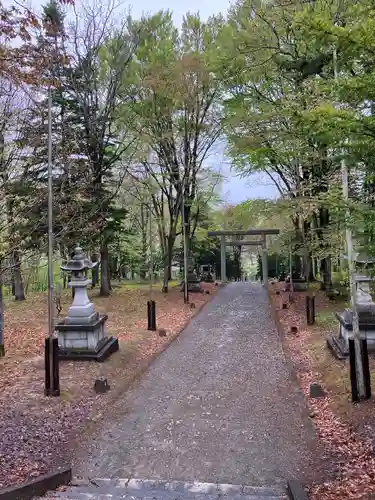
pixel 50 221
pixel 349 249
pixel 151 266
pixel 184 236
pixel 52 385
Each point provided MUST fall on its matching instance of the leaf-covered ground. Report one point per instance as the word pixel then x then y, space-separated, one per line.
pixel 38 433
pixel 345 430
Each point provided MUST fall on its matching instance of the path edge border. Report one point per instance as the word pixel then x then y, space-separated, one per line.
pixel 296 490
pixel 282 336
pixel 39 486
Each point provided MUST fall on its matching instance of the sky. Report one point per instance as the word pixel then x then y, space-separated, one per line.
pixel 234 188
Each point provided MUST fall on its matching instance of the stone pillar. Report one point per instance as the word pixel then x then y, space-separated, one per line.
pixel 223 259
pixel 264 262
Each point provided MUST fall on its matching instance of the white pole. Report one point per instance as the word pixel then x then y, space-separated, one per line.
pixel 184 236
pixel 349 249
pixel 151 265
pixel 291 288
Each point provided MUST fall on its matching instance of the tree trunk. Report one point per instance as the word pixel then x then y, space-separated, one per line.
pixel 325 265
pixel 113 267
pixel 326 270
pixel 94 272
pixel 105 285
pixel 297 265
pixel 310 267
pixel 165 277
pixel 168 263
pixel 144 265
pixel 2 347
pixel 19 292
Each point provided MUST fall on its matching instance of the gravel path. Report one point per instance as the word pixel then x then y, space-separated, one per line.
pixel 218 405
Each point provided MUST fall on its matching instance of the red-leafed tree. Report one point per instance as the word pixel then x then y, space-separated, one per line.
pixel 19 59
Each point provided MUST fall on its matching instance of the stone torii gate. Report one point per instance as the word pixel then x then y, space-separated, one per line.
pixel 250 232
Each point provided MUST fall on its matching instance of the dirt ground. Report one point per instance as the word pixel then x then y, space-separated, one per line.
pixel 345 430
pixel 38 433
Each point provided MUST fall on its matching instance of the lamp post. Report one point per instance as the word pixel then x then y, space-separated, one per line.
pixel 52 383
pixel 184 236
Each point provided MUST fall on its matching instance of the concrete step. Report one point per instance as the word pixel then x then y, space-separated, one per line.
pixel 145 489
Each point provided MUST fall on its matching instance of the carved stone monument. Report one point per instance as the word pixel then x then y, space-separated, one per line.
pixel 366 315
pixel 82 334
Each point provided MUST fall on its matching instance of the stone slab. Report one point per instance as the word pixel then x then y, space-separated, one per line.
pixel 296 490
pixel 147 489
pixel 61 327
pixel 338 347
pixel 30 489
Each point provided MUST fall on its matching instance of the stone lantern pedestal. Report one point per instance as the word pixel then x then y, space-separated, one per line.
pixel 339 344
pixel 82 334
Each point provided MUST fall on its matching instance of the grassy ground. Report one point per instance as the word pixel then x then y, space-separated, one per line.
pixel 39 431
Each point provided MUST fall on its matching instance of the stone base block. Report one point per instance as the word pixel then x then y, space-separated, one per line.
pixel 81 320
pixel 299 284
pixel 81 336
pixel 193 286
pixel 339 344
pixel 105 348
pixel 338 347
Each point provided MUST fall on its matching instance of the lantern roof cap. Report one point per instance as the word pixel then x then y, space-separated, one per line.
pixel 361 258
pixel 361 278
pixel 79 262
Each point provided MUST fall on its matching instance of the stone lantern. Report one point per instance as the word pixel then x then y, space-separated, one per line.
pixel 194 284
pixel 365 309
pixel 82 334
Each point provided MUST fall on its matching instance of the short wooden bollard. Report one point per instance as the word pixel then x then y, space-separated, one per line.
pixel 366 368
pixel 151 315
pixel 310 309
pixel 51 357
pixel 353 372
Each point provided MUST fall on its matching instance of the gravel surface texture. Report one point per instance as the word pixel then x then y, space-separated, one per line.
pixel 218 405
